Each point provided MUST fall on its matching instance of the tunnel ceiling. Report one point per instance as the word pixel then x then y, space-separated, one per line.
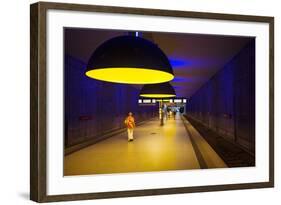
pixel 195 58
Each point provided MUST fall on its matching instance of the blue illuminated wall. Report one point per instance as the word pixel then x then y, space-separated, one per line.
pixel 226 103
pixel 94 108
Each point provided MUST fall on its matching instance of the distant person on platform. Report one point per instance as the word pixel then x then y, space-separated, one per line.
pixel 130 123
pixel 174 113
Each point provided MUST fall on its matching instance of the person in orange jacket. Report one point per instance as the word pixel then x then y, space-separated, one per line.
pixel 130 124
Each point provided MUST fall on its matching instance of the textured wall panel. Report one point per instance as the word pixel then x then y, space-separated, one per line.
pixel 226 103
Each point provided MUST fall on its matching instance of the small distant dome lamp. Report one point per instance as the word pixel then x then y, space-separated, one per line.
pixel 129 60
pixel 160 90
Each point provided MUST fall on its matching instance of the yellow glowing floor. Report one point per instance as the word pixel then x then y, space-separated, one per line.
pixel 155 148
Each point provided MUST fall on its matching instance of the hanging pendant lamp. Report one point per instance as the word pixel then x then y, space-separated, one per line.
pixel 130 60
pixel 160 90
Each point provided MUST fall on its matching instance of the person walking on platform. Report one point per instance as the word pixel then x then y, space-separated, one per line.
pixel 130 123
pixel 174 114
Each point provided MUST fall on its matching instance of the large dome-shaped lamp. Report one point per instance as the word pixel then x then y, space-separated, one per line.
pixel 159 90
pixel 130 60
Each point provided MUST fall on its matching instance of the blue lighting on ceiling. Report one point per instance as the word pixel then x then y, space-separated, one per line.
pixel 193 79
pixel 179 79
pixel 179 62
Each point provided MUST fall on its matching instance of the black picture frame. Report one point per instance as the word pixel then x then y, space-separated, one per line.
pixel 38 101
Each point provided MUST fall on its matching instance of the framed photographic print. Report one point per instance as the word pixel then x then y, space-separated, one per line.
pixel 134 102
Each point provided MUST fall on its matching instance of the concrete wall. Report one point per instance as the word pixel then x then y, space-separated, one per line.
pixel 94 108
pixel 226 103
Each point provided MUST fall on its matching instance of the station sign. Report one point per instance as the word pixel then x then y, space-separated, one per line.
pixel 147 101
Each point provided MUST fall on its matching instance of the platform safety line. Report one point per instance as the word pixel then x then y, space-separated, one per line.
pixel 199 156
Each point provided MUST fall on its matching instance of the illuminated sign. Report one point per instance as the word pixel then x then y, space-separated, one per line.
pixel 168 100
pixel 177 100
pixel 146 101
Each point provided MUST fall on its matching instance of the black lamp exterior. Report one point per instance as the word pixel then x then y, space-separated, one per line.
pixel 129 51
pixel 159 88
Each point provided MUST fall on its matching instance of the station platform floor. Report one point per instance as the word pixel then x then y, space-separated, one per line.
pixel 155 148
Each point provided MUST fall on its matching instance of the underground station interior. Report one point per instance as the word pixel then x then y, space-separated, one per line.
pixel 192 98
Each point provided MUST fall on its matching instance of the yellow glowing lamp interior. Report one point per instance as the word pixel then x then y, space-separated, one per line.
pixel 130 75
pixel 157 95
